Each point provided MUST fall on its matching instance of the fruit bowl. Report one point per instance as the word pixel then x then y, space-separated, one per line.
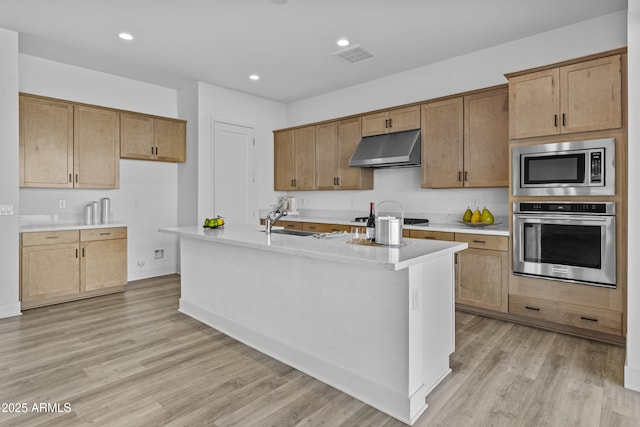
pixel 478 224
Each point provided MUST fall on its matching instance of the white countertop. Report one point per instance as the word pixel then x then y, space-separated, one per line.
pixel 453 227
pixel 61 227
pixel 411 252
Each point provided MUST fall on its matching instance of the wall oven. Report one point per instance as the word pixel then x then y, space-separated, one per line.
pixel 575 168
pixel 567 241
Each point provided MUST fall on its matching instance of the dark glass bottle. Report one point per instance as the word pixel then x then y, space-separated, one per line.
pixel 371 224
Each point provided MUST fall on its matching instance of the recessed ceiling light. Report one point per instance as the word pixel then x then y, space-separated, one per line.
pixel 125 36
pixel 342 42
pixel 254 77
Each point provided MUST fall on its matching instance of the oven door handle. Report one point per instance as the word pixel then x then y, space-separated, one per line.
pixel 594 218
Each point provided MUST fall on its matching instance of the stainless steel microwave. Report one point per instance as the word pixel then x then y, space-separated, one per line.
pixel 574 168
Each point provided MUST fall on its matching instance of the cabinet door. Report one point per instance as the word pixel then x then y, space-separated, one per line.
pixel 327 155
pixel 170 140
pixel 349 132
pixel 304 151
pixel 136 137
pixel 96 147
pixel 591 95
pixel 283 168
pixel 404 119
pixel 486 139
pixel 46 143
pixel 375 124
pixel 49 271
pixel 482 279
pixel 534 104
pixel 104 264
pixel 442 143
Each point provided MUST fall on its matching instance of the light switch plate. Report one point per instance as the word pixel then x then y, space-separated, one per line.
pixel 6 209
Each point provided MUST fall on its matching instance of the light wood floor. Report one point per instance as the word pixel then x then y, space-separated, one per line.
pixel 132 360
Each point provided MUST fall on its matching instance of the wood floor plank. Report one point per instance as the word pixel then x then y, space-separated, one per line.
pixel 132 359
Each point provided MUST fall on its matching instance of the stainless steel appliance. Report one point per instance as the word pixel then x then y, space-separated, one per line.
pixel 390 150
pixel 568 241
pixel 575 168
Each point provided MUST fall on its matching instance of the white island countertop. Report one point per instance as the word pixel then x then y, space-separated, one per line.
pixel 338 249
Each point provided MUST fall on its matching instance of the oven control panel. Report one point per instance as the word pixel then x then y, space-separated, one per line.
pixel 605 208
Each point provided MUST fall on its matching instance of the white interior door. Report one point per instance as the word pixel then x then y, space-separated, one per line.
pixel 234 193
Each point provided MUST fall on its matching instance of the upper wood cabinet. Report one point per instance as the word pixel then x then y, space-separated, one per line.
pixel 295 159
pixel 335 143
pixel 63 145
pixel 395 120
pixel 152 138
pixel 579 97
pixel 96 147
pixel 46 143
pixel 465 141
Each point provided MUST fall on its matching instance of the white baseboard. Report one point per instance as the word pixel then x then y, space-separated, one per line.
pixel 10 309
pixel 631 377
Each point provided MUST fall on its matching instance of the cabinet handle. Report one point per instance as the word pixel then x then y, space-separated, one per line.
pixel 338 180
pixel 82 252
pixel 531 308
pixel 105 234
pixel 466 176
pixel 386 123
pixel 390 123
pixel 152 150
pixel 459 176
pixel 76 178
pixel 455 258
pixel 156 151
pixel 589 319
pixel 52 237
pixel 564 120
pixel 70 178
pixel 429 238
pixel 76 253
pixel 484 242
pixel 555 120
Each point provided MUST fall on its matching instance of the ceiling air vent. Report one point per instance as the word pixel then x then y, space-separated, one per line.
pixel 353 54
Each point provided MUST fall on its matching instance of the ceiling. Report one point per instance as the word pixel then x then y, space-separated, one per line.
pixel 288 43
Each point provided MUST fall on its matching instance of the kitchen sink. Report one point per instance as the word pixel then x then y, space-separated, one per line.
pixel 292 232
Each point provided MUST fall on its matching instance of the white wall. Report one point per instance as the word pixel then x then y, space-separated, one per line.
pixel 148 194
pixel 219 104
pixel 632 366
pixel 9 303
pixel 473 71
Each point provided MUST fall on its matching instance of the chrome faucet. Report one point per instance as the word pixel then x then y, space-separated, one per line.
pixel 279 211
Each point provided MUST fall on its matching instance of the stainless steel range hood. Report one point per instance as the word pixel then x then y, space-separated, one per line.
pixel 391 150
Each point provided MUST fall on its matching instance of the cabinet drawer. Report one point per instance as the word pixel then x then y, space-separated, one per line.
pixel 323 228
pixel 49 237
pixel 432 235
pixel 103 234
pixel 484 241
pixel 595 319
pixel 292 225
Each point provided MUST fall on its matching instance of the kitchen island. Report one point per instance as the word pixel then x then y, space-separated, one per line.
pixel 376 322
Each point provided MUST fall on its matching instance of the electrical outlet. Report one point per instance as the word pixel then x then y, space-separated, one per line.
pixel 158 254
pixel 62 203
pixel 6 209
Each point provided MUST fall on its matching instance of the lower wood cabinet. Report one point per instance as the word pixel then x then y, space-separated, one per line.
pixel 595 319
pixel 59 266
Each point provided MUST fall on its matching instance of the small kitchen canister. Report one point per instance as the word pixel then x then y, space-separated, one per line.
pixel 105 210
pixel 95 206
pixel 88 215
